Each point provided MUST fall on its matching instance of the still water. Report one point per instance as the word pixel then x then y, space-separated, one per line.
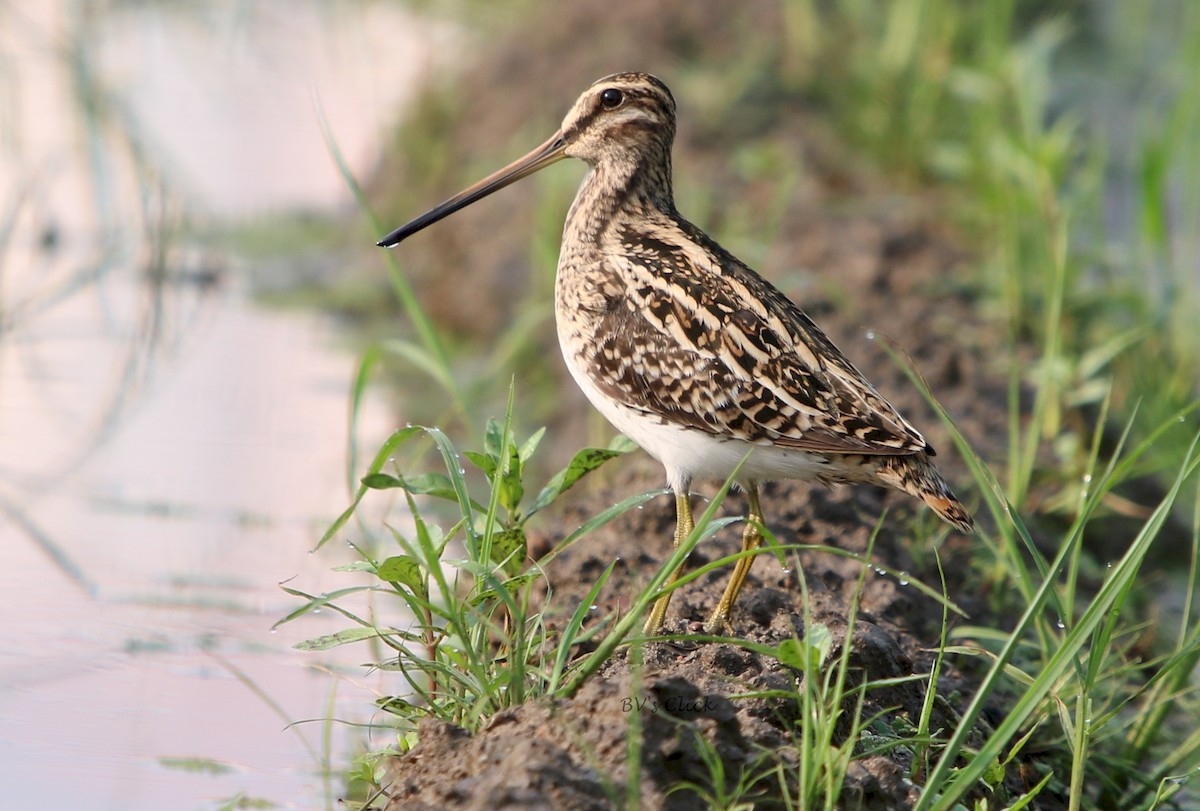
pixel 170 452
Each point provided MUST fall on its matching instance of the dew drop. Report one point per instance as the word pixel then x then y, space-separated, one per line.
pixel 1061 625
pixel 274 630
pixel 785 570
pixel 1087 478
pixel 594 607
pixel 316 611
pixel 870 335
pixel 617 559
pixel 903 578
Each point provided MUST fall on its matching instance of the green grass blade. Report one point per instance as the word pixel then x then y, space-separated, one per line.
pixel 942 792
pixel 570 633
pixel 458 481
pixel 381 458
pixel 702 530
pixel 600 519
pixel 426 331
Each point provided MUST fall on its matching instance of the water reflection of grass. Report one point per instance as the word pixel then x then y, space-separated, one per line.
pixel 102 286
pixel 964 98
pixel 88 232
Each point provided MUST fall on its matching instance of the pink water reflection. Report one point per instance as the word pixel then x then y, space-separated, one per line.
pixel 168 451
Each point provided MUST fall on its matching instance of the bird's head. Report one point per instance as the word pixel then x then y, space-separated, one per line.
pixel 620 119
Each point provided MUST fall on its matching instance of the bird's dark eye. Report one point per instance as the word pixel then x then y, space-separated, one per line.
pixel 611 98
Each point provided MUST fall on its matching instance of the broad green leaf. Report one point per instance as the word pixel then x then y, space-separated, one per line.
pixel 381 481
pixel 482 461
pixel 531 444
pixel 493 438
pixel 993 775
pixel 623 444
pixel 503 465
pixel 437 485
pixel 404 570
pixel 509 550
pixel 809 654
pixel 512 490
pixel 512 585
pixel 792 653
pixel 820 640
pixel 582 464
pixel 399 706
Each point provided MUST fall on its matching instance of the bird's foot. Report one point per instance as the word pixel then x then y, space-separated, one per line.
pixel 718 624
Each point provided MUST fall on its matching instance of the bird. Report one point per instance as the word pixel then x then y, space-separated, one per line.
pixel 698 359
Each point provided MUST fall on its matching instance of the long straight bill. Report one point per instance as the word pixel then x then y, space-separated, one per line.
pixel 543 156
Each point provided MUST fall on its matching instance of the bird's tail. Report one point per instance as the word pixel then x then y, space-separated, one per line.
pixel 916 475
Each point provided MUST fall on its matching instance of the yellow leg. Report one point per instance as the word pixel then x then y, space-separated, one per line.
pixel 718 623
pixel 683 528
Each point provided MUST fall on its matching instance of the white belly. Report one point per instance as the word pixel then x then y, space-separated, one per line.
pixel 688 454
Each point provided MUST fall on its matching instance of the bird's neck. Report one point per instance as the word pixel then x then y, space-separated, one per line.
pixel 616 190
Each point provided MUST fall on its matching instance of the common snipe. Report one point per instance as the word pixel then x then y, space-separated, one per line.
pixel 686 350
